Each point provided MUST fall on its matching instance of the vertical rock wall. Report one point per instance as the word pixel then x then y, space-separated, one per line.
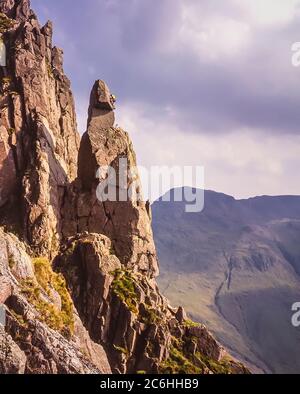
pixel 38 133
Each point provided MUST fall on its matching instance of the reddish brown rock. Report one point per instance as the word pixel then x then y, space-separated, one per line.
pixel 124 220
pixel 180 315
pixel 34 346
pixel 12 359
pixel 8 176
pixel 38 140
pixel 101 118
pixel 125 312
pixel 5 289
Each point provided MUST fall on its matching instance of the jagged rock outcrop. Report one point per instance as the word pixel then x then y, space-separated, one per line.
pixel 125 311
pixel 38 158
pixel 43 331
pixel 123 219
pixel 12 359
pixel 103 310
pixel 38 132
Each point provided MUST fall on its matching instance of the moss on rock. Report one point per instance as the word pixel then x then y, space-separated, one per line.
pixel 5 23
pixel 62 319
pixel 182 360
pixel 124 288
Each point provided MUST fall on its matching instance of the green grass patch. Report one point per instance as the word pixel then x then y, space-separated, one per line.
pixel 61 320
pixel 18 318
pixel 221 367
pixel 149 315
pixel 11 131
pixel 11 262
pixel 178 363
pixel 190 323
pixel 49 69
pixel 5 23
pixel 181 360
pixel 124 287
pixel 121 350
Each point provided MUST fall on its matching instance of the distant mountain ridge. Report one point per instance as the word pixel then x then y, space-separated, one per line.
pixel 237 266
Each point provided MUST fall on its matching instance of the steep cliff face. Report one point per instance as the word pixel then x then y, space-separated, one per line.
pixel 38 158
pixel 78 278
pixel 43 333
pixel 124 220
pixel 124 311
pixel 39 139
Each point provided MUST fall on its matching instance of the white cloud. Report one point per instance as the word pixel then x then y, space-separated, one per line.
pixel 270 12
pixel 214 33
pixel 241 163
pixel 218 69
pixel 212 36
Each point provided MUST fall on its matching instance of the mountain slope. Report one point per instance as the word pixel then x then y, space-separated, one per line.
pixel 237 267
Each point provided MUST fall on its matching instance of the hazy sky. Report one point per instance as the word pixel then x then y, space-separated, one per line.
pixel 198 82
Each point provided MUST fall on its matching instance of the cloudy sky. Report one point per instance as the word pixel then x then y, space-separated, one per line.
pixel 198 82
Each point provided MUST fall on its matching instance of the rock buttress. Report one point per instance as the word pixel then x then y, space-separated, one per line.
pixel 38 132
pixel 43 332
pixel 124 311
pixel 38 159
pixel 126 223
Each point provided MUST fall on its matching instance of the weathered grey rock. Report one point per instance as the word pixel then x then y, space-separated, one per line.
pixel 100 119
pixel 32 346
pixel 101 99
pixel 125 312
pixel 46 351
pixel 181 316
pixel 5 289
pixel 18 9
pixel 7 167
pixel 126 221
pixel 206 342
pixel 93 351
pixel 38 133
pixel 12 359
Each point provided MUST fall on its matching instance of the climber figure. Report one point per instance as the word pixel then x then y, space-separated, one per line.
pixel 113 100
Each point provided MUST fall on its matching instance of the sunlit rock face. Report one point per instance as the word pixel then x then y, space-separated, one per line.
pixel 38 140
